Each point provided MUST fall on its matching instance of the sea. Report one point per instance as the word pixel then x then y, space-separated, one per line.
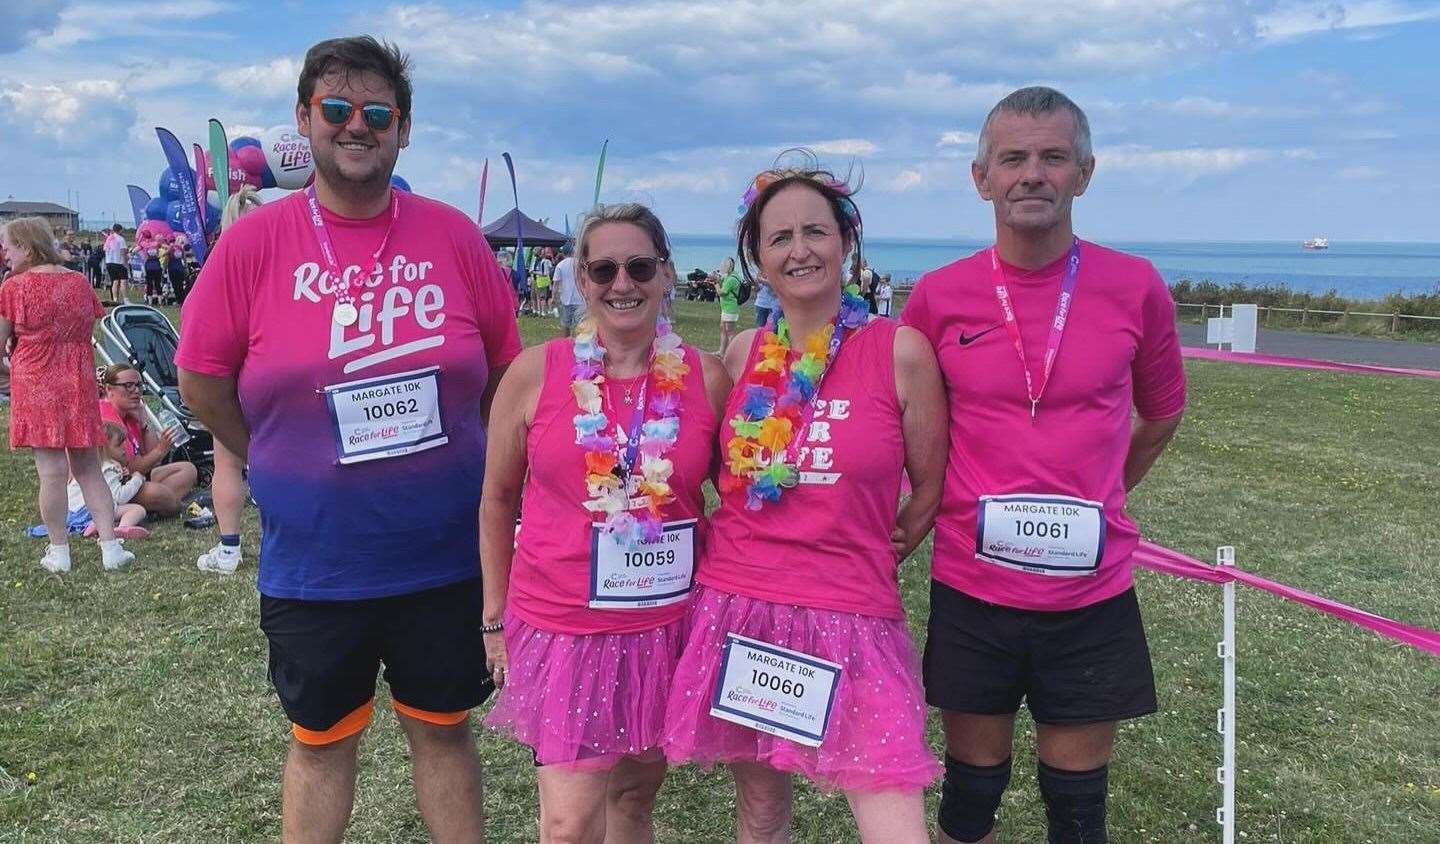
pixel 1353 269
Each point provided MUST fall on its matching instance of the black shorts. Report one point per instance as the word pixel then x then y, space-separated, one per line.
pixel 324 655
pixel 117 272
pixel 1081 666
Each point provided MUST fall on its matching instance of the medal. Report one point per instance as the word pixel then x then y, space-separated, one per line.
pixel 345 314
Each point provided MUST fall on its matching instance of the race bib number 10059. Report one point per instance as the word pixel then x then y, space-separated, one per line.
pixel 775 690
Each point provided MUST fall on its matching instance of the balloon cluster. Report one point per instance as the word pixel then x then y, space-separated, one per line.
pixel 278 158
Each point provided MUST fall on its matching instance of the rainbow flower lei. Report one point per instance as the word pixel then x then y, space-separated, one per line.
pixel 605 472
pixel 768 419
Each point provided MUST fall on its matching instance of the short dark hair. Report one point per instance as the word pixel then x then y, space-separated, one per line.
pixel 837 193
pixel 357 53
pixel 117 228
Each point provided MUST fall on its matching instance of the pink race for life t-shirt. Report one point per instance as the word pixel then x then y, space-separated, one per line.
pixel 1120 351
pixel 367 448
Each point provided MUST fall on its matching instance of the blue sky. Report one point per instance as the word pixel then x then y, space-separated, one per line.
pixel 1245 120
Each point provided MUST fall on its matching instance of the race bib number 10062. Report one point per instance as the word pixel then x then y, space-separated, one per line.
pixel 388 416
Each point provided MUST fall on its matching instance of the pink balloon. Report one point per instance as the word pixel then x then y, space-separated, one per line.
pixel 152 230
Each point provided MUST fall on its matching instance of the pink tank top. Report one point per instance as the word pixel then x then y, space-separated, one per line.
pixel 826 542
pixel 550 576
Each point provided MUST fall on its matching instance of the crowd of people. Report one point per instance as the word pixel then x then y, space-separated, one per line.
pixel 624 629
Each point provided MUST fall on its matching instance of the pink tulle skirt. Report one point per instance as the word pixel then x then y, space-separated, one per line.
pixel 876 737
pixel 586 701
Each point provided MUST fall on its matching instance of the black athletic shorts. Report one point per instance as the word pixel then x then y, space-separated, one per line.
pixel 1071 667
pixel 324 656
pixel 117 272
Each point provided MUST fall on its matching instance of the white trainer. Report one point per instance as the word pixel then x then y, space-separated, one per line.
pixel 113 555
pixel 222 559
pixel 56 559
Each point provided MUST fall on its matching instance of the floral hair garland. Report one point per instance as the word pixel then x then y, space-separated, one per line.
pixel 770 177
pixel 769 420
pixel 605 469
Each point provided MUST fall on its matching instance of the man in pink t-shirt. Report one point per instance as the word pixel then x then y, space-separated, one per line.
pixel 1065 384
pixel 345 342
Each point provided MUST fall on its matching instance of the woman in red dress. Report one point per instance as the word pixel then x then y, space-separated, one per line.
pixel 50 312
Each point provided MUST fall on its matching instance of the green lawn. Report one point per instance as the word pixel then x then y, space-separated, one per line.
pixel 138 701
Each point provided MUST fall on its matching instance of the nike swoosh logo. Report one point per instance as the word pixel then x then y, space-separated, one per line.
pixel 965 341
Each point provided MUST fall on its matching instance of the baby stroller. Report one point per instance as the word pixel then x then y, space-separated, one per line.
pixel 144 338
pixel 701 288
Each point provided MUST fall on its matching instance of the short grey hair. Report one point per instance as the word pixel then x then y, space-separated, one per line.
pixel 622 212
pixel 1034 101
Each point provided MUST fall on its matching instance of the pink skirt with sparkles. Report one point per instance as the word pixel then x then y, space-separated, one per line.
pixel 876 736
pixel 586 701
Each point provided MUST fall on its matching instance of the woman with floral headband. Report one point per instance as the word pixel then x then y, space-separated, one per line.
pixel 798 659
pixel 605 439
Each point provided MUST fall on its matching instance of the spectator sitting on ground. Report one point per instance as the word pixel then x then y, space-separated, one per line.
pixel 123 487
pixel 166 485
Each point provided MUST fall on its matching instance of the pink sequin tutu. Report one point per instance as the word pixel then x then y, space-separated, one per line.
pixel 586 701
pixel 876 737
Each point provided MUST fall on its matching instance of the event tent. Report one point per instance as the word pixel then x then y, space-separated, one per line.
pixel 502 232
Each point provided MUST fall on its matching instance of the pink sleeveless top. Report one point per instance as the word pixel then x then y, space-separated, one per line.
pixel 826 542
pixel 550 576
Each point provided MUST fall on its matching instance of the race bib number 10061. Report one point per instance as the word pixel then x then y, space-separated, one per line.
pixel 1056 535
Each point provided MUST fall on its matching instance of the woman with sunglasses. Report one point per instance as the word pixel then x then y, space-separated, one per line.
pixel 50 312
pixel 146 446
pixel 601 443
pixel 798 659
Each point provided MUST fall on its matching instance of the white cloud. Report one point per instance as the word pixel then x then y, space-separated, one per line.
pixel 1301 154
pixel 274 78
pixel 1361 171
pixel 1298 19
pixel 958 139
pixel 1190 162
pixel 689 181
pixel 903 181
pixel 71 111
pixel 842 146
pixel 130 19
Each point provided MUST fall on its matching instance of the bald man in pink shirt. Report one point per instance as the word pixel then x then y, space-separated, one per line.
pixel 1065 384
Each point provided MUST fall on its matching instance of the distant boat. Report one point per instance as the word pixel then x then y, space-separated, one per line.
pixel 1317 243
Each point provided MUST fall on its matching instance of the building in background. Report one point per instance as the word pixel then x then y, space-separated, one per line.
pixel 60 218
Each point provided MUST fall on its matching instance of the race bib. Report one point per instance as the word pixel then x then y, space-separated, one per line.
pixel 775 690
pixel 1041 534
pixel 388 416
pixel 648 574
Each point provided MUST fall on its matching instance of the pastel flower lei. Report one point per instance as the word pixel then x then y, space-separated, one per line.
pixel 768 419
pixel 605 473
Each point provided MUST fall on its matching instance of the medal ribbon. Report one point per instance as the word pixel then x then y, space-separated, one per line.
pixel 1057 325
pixel 338 281
pixel 637 422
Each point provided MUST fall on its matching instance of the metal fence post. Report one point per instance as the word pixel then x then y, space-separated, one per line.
pixel 1225 717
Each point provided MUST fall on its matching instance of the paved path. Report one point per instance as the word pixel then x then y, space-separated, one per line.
pixel 1335 347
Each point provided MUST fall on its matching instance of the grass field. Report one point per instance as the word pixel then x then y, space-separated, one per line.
pixel 134 706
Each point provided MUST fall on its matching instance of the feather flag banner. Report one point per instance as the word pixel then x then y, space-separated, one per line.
pixel 138 200
pixel 180 167
pixel 200 185
pixel 519 273
pixel 484 177
pixel 600 171
pixel 220 161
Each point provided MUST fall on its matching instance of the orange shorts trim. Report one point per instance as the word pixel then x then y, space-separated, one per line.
pixel 343 729
pixel 442 719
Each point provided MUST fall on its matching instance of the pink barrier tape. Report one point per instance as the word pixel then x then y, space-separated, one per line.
pixel 1304 363
pixel 1163 560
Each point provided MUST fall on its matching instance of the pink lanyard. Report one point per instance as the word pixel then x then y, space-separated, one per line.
pixel 338 280
pixel 1057 326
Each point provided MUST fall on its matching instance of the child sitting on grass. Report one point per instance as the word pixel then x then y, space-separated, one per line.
pixel 123 487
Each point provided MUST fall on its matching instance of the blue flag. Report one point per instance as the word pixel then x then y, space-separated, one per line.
pixel 138 200
pixel 189 211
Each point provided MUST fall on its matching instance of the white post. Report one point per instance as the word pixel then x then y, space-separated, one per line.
pixel 1225 718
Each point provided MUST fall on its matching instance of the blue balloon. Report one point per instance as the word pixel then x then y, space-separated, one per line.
pixel 170 186
pixel 156 209
pixel 396 181
pixel 244 141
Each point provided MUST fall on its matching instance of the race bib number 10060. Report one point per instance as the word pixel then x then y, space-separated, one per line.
pixel 775 690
